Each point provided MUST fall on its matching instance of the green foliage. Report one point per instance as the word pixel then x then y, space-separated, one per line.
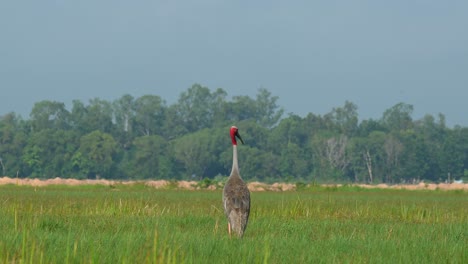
pixel 398 117
pixel 49 115
pixel 268 112
pixel 149 117
pixel 210 183
pixel 95 154
pixel 149 159
pixel 197 107
pixel 13 139
pixel 49 152
pixel 144 138
pixel 196 152
pixel 344 119
pixel 300 186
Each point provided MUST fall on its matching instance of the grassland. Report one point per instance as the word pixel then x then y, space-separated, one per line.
pixel 138 224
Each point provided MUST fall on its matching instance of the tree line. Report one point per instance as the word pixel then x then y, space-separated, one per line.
pixel 145 138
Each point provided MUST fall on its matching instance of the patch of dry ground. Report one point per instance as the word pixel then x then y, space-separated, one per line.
pixel 192 185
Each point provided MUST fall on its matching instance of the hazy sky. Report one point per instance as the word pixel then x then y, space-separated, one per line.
pixel 314 55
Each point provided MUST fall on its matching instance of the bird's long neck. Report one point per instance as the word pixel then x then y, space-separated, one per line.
pixel 235 165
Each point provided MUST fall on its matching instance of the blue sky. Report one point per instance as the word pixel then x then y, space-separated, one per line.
pixel 314 55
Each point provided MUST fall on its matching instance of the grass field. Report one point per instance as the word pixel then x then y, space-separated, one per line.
pixel 138 224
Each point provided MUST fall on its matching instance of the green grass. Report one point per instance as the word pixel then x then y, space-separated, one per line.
pixel 139 224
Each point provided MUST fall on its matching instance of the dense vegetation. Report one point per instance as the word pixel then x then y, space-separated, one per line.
pixel 144 138
pixel 136 224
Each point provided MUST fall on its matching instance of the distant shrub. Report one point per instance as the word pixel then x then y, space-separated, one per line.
pixel 172 185
pixel 300 186
pixel 205 183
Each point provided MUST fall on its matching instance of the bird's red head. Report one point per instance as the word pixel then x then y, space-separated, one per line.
pixel 234 134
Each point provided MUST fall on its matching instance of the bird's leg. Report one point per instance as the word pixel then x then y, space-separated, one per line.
pixel 229 229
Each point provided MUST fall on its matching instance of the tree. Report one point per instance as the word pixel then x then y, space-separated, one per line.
pixel 462 139
pixel 330 155
pixel 174 126
pixel 264 110
pixel 361 160
pixel 345 118
pixel 13 139
pixel 78 117
pixel 368 159
pixel 433 134
pixel 335 151
pixel 414 157
pixel 294 162
pixel 150 158
pixel 94 157
pixel 453 154
pixel 393 150
pixel 124 116
pixel 32 158
pixel 198 107
pixel 268 112
pixel 241 108
pixel 193 152
pixel 149 115
pixel 48 153
pixel 124 112
pixel 366 127
pixel 219 107
pixel 98 115
pixel 398 117
pixel 48 115
pixel 290 130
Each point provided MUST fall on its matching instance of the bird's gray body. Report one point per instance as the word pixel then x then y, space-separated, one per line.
pixel 236 200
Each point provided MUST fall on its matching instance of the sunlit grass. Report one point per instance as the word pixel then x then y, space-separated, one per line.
pixel 138 224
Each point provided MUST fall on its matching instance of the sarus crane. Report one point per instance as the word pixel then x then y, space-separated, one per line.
pixel 236 195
